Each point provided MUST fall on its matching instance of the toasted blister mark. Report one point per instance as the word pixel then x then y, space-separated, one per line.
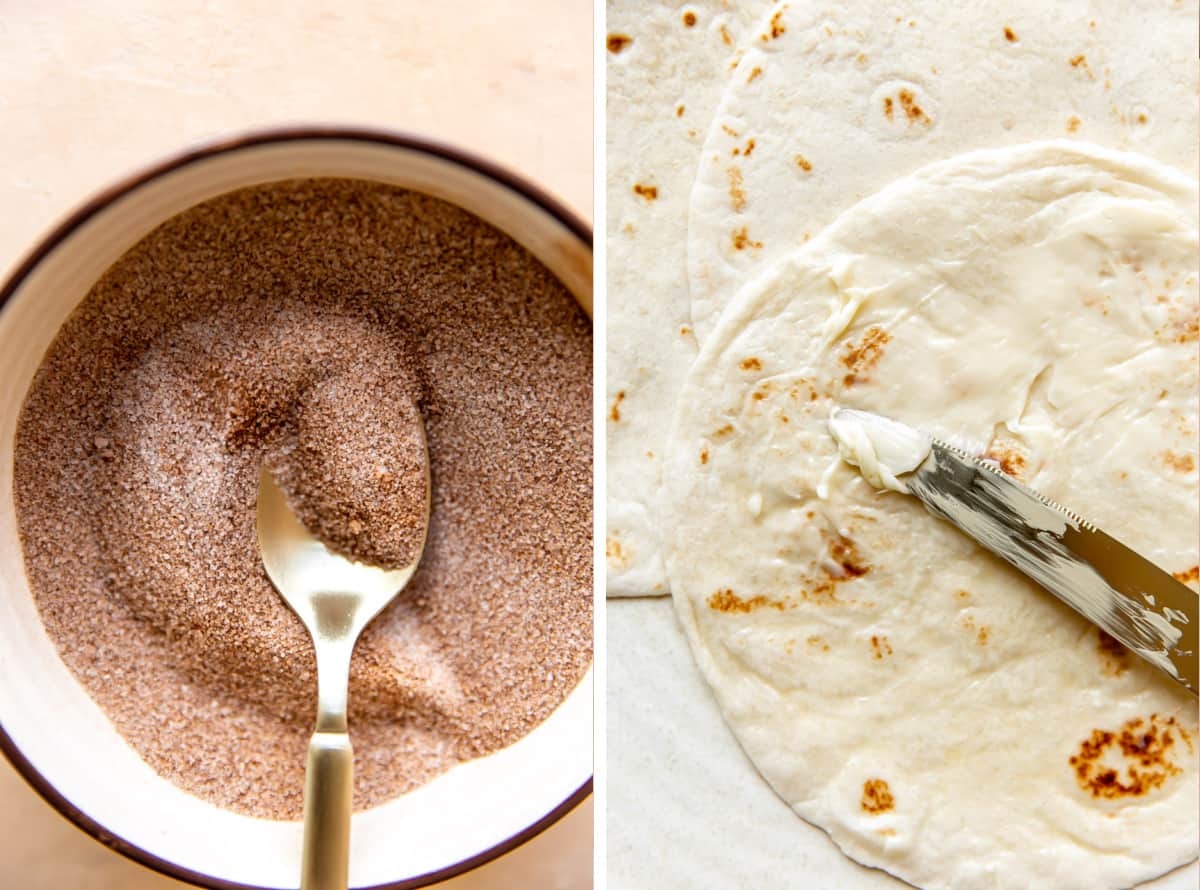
pixel 817 643
pixel 1010 35
pixel 803 163
pixel 742 239
pixel 861 357
pixel 1190 577
pixel 1180 463
pixel 737 194
pixel 776 28
pixel 689 19
pixel 880 647
pixel 614 553
pixel 1080 63
pixel 1128 762
pixel 614 412
pixel 727 601
pixel 1007 452
pixel 1073 124
pixel 1114 656
pixel 755 73
pixel 877 797
pixel 617 43
pixel 750 364
pixel 648 192
pixel 845 561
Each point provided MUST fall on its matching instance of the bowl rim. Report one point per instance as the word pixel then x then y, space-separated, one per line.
pixel 201 151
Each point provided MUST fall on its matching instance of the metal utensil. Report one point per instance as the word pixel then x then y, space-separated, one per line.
pixel 1144 607
pixel 335 598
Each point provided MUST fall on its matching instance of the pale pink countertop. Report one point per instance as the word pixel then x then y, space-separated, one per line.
pixel 93 91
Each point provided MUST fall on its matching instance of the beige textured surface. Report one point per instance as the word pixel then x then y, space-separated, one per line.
pixel 94 92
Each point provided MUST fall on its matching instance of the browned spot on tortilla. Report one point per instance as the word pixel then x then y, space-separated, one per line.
pixel 913 111
pixel 703 455
pixel 729 602
pixel 1130 762
pixel 689 19
pixel 982 636
pixel 731 131
pixel 861 60
pixel 1141 118
pixel 685 330
pixel 1080 61
pixel 1180 463
pixel 679 111
pixel 618 42
pixel 724 431
pixel 649 192
pixel 846 558
pixel 742 240
pixel 963 594
pixel 818 642
pixel 750 364
pixel 888 107
pixel 613 551
pixel 736 194
pixel 1009 35
pixel 749 147
pixel 880 647
pixel 1116 656
pixel 615 411
pixel 755 73
pixel 1188 576
pixel 877 797
pixel 726 37
pixel 1009 455
pixel 777 28
pixel 863 356
pixel 803 163
pixel 1073 123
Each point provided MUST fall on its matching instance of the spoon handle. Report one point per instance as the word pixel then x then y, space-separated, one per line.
pixel 328 788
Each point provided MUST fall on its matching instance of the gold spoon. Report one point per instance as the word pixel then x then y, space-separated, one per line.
pixel 335 598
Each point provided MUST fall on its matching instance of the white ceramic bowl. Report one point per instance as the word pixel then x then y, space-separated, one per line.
pixel 50 728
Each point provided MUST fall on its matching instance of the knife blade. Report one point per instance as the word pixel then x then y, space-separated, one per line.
pixel 1145 608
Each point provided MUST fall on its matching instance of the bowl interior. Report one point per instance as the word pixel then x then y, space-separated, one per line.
pixel 53 723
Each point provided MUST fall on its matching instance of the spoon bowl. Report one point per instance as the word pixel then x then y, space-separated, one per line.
pixel 335 597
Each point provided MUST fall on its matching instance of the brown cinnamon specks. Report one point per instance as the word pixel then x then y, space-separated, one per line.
pixel 291 322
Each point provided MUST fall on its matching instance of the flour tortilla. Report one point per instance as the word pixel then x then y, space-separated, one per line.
pixel 896 685
pixel 818 91
pixel 663 86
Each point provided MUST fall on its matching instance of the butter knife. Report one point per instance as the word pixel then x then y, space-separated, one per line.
pixel 1142 606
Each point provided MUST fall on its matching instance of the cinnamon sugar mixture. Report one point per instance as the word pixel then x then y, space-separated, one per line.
pixel 314 324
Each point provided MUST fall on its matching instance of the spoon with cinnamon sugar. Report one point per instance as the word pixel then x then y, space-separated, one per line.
pixel 335 598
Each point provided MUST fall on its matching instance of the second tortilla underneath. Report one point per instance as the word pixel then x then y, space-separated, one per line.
pixel 938 714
